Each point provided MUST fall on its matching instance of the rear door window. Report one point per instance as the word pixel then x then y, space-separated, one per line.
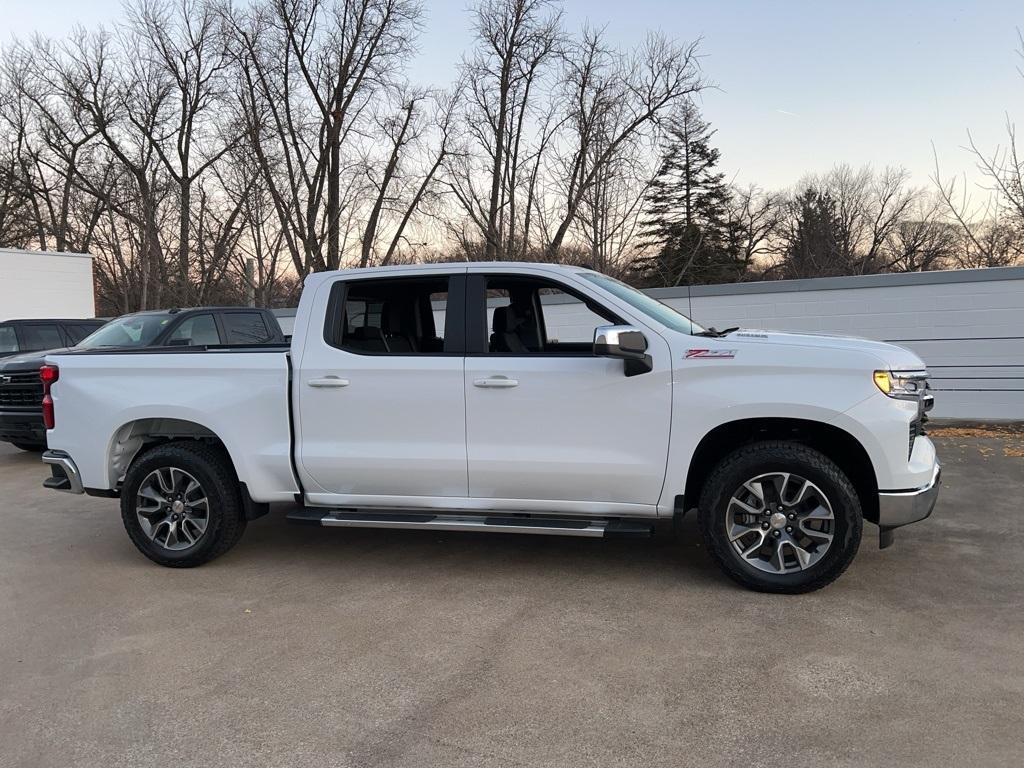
pixel 394 316
pixel 245 328
pixel 196 331
pixel 37 336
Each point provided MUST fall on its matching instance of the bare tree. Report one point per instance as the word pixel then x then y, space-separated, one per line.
pixel 180 43
pixel 990 233
pixel 516 40
pixel 923 240
pixel 311 70
pixel 611 100
pixel 752 220
pixel 417 139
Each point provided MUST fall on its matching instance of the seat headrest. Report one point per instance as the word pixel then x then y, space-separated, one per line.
pixel 500 321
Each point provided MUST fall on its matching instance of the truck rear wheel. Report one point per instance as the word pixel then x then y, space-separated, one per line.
pixel 780 517
pixel 180 504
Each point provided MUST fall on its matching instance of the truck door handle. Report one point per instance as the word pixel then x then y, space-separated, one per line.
pixel 496 382
pixel 328 382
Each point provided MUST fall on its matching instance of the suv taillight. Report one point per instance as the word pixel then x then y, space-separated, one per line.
pixel 48 374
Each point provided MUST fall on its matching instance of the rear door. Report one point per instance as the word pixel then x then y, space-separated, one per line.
pixel 380 416
pixel 547 420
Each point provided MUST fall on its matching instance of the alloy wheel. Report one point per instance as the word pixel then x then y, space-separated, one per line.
pixel 172 508
pixel 779 522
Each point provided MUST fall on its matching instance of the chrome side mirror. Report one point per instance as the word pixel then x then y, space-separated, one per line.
pixel 626 343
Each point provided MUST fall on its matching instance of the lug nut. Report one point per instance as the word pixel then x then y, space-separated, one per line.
pixel 765 526
pixel 789 529
pixel 792 516
pixel 776 534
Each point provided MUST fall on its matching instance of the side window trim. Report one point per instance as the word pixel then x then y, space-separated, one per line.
pixel 454 316
pixel 477 331
pixel 222 330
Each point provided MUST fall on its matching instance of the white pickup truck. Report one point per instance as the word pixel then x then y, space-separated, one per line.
pixel 524 398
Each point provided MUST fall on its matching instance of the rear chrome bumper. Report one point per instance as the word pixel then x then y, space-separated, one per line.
pixel 65 476
pixel 896 508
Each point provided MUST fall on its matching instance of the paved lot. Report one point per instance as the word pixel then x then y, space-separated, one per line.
pixel 364 648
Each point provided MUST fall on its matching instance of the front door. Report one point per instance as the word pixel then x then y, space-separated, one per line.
pixel 380 400
pixel 547 421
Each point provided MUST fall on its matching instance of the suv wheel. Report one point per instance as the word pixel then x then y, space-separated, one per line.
pixel 780 517
pixel 180 504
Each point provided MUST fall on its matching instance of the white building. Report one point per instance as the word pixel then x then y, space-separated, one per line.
pixel 41 284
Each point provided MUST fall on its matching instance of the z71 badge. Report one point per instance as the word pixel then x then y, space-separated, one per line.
pixel 717 354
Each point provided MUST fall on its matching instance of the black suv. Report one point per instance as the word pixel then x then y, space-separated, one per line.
pixel 18 336
pixel 21 392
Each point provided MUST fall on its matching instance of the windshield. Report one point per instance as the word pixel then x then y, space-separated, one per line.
pixel 128 331
pixel 653 308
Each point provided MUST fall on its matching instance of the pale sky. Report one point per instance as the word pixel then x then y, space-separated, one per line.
pixel 803 84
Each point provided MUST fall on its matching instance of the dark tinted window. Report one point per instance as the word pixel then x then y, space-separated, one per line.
pixel 393 317
pixel 245 328
pixel 528 315
pixel 36 337
pixel 196 331
pixel 78 331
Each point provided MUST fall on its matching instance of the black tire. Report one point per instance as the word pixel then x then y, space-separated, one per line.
pixel 778 456
pixel 30 447
pixel 213 470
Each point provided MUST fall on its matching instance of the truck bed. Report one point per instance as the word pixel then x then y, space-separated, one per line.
pixel 239 395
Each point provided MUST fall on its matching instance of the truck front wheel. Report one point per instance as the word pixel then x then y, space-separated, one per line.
pixel 180 504
pixel 780 517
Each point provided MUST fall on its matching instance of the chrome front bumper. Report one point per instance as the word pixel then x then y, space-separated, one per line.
pixel 896 508
pixel 65 476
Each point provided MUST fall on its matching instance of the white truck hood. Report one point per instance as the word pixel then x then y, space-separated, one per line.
pixel 891 355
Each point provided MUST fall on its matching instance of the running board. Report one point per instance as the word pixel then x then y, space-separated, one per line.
pixel 454 522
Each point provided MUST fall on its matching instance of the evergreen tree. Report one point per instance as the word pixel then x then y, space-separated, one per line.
pixel 814 246
pixel 686 223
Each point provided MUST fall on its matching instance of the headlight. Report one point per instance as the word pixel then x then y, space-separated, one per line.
pixel 902 385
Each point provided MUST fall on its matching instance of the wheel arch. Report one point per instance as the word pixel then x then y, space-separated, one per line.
pixel 834 442
pixel 139 435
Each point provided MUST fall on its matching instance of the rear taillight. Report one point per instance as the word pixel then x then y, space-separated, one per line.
pixel 48 374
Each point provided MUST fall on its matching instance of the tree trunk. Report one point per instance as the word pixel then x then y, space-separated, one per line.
pixel 334 197
pixel 185 204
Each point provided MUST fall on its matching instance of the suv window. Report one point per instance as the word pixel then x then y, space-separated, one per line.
pixel 78 331
pixel 245 328
pixel 392 316
pixel 8 340
pixel 138 330
pixel 41 336
pixel 196 331
pixel 535 316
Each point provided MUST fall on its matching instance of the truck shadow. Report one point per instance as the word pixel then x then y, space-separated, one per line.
pixel 272 542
